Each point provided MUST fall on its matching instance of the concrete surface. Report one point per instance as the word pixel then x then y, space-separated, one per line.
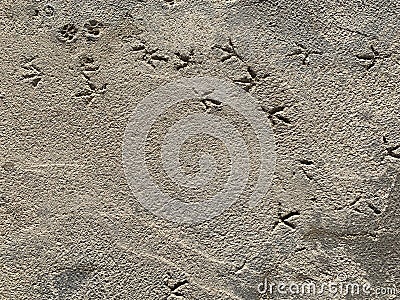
pixel 324 73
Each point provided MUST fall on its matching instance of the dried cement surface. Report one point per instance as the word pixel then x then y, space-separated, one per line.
pixel 326 76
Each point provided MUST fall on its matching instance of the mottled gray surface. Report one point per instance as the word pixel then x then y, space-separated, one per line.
pixel 326 74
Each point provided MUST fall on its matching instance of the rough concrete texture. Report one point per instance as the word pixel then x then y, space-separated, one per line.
pixel 326 75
